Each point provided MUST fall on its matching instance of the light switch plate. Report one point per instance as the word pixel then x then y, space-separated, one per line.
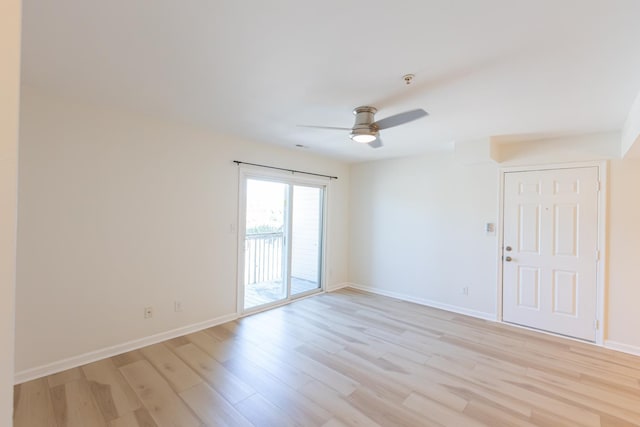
pixel 490 229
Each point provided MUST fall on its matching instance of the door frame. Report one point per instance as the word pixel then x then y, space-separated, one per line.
pixel 602 167
pixel 247 172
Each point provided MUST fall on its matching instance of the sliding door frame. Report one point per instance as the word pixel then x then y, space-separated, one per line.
pixel 246 172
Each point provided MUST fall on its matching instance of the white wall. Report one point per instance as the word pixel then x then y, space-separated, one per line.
pixel 623 300
pixel 118 211
pixel 417 229
pixel 631 129
pixel 595 146
pixel 10 24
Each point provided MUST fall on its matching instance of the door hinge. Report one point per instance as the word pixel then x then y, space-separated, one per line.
pixel 597 255
pixel 599 186
pixel 596 324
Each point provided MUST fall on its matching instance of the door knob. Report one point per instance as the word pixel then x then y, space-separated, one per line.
pixel 508 259
pixel 508 249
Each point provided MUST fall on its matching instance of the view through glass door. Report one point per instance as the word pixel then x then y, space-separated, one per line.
pixel 283 241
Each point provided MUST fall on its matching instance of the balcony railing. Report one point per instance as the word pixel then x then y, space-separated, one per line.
pixel 263 257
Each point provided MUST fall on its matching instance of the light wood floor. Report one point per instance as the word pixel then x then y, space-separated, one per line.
pixel 340 359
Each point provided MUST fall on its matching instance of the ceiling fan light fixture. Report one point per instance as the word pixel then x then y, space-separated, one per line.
pixel 363 138
pixel 366 129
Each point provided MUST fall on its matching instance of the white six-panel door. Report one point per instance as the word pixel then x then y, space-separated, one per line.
pixel 550 250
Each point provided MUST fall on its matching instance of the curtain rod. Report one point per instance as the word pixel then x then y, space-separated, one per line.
pixel 238 162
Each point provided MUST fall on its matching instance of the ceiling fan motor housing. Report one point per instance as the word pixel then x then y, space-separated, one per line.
pixel 364 122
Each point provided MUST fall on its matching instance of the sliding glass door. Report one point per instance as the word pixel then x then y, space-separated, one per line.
pixel 282 240
pixel 264 245
pixel 306 239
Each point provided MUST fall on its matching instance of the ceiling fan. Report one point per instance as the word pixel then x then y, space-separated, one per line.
pixel 366 130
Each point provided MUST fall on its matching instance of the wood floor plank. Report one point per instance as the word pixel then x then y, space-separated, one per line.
pixel 334 422
pixel 438 413
pixel 277 363
pixel 175 371
pixel 569 402
pixel 127 358
pixel 73 405
pixel 343 411
pixel 495 416
pixel 459 391
pixel 65 377
pixel 32 405
pixel 260 412
pixel 320 372
pixel 223 381
pixel 138 418
pixel 219 333
pixel 518 387
pixel 113 395
pixel 387 412
pixel 297 406
pixel 381 384
pixel 599 398
pixel 219 350
pixel 164 405
pixel 176 342
pixel 212 408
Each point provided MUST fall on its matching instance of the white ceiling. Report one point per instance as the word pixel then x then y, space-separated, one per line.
pixel 256 69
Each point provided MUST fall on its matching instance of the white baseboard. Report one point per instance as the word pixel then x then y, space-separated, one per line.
pixel 337 286
pixel 427 302
pixel 92 356
pixel 625 348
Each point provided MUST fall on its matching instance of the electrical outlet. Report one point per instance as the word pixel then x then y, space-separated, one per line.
pixel 465 291
pixel 177 306
pixel 148 312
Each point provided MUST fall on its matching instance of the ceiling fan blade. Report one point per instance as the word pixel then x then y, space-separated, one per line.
pixel 400 119
pixel 376 143
pixel 322 127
